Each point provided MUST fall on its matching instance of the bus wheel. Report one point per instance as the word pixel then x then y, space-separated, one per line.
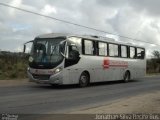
pixel 126 76
pixel 84 80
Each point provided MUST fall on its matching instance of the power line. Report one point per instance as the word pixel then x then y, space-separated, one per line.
pixel 68 22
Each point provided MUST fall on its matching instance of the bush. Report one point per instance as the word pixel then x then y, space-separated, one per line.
pixel 13 74
pixel 13 65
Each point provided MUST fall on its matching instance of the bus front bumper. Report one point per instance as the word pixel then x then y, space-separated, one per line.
pixel 44 79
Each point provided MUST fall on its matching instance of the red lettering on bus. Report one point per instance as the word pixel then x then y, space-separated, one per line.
pixel 106 63
pixel 112 63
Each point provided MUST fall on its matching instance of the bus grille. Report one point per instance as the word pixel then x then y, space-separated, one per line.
pixel 41 77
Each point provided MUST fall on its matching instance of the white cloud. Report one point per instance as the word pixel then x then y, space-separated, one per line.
pixel 48 9
pixel 19 49
pixel 15 3
pixel 136 19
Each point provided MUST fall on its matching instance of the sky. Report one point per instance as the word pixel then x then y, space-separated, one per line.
pixel 138 19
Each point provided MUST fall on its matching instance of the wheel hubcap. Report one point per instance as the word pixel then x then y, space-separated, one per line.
pixel 83 79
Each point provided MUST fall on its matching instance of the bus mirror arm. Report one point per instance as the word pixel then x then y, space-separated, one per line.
pixel 24 46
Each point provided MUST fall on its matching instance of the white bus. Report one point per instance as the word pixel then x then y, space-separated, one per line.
pixel 75 59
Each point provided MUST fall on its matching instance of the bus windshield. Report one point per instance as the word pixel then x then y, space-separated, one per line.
pixel 47 52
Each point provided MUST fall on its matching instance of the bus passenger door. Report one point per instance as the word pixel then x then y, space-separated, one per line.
pixel 73 75
pixel 71 62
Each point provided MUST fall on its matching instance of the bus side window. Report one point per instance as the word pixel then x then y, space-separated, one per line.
pixel 113 50
pixel 132 52
pixel 140 53
pixel 123 51
pixel 88 47
pixel 102 49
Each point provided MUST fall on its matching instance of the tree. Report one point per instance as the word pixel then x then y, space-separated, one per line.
pixel 156 60
pixel 156 54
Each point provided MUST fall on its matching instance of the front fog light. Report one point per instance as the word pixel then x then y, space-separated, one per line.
pixel 28 69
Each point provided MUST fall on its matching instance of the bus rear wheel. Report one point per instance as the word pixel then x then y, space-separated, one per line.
pixel 126 76
pixel 84 80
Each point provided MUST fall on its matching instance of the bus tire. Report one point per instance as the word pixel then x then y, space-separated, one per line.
pixel 126 76
pixel 84 80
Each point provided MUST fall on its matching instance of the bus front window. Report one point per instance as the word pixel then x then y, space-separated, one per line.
pixel 47 52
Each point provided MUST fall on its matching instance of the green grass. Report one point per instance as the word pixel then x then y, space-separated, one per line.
pixel 12 68
pixel 14 71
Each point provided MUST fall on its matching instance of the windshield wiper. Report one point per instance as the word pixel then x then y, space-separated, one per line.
pixel 54 49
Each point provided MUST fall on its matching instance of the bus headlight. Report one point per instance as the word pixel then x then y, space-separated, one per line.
pixel 57 70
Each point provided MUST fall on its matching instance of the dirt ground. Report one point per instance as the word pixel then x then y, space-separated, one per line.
pixel 147 103
pixel 17 82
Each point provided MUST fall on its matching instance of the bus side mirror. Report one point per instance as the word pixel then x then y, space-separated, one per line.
pixel 142 54
pixel 24 48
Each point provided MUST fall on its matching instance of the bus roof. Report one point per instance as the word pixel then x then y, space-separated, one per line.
pixel 53 35
pixel 92 37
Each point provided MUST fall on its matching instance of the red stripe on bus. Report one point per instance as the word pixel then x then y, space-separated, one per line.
pixel 118 65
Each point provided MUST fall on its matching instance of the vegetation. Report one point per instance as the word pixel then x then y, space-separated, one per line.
pixel 12 65
pixel 153 64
